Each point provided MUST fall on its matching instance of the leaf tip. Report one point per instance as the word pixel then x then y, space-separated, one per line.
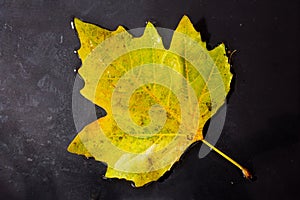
pixel 185 20
pixel 149 25
pixel 186 27
pixel 77 22
pixel 247 174
pixel 78 147
pixel 120 29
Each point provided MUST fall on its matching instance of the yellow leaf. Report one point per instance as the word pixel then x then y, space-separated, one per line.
pixel 157 100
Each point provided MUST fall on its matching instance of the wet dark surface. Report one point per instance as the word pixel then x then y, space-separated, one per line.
pixel 37 72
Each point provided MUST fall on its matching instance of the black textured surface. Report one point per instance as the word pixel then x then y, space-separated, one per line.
pixel 36 80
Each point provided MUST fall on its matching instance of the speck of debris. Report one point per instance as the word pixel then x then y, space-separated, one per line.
pixel 72 25
pixel 61 39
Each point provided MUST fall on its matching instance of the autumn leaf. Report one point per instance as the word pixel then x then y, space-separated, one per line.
pixel 157 100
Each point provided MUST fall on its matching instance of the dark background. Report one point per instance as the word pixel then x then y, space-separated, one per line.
pixel 36 78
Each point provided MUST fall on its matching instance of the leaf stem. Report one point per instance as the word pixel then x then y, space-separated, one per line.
pixel 245 171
